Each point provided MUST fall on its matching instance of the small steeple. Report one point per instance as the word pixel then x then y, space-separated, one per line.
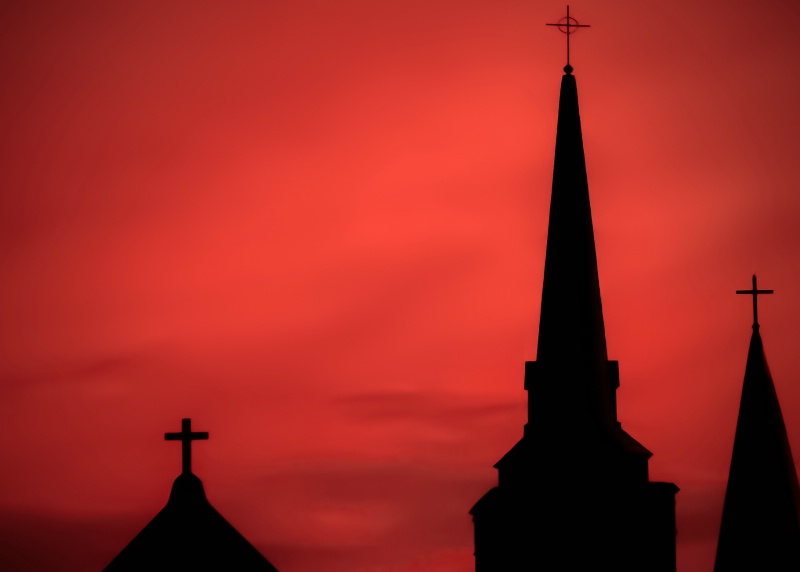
pixel 761 515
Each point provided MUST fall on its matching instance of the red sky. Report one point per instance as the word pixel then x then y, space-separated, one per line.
pixel 318 230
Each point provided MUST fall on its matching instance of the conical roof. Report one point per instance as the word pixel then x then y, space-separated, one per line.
pixel 761 515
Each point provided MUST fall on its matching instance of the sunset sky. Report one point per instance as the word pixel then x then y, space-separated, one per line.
pixel 318 229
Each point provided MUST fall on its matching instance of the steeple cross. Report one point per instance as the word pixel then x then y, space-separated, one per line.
pixel 568 26
pixel 186 436
pixel 755 292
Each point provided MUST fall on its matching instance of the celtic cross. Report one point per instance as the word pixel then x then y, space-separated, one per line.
pixel 568 25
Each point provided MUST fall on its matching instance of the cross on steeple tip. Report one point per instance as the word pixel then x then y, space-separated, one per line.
pixel 754 291
pixel 568 25
pixel 186 436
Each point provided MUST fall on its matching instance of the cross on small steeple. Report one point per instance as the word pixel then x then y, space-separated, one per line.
pixel 186 436
pixel 755 292
pixel 568 26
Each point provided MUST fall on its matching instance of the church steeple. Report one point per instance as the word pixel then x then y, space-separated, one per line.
pixel 574 492
pixel 571 290
pixel 571 330
pixel 761 515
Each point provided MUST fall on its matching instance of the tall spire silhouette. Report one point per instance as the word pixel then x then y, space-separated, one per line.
pixel 571 329
pixel 574 492
pixel 760 527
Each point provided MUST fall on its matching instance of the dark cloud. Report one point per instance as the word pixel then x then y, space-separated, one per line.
pixel 432 406
pixel 31 542
pixel 387 514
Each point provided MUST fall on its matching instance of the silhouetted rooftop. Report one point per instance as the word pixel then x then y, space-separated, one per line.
pixel 189 533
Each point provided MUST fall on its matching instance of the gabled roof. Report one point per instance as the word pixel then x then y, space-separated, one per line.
pixel 189 534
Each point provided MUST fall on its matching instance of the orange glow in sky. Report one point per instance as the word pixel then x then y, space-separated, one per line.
pixel 318 229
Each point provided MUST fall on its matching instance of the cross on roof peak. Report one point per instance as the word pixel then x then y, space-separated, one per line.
pixel 568 25
pixel 186 436
pixel 755 292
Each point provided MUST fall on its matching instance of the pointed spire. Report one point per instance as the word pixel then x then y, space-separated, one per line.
pixel 571 330
pixel 571 290
pixel 761 515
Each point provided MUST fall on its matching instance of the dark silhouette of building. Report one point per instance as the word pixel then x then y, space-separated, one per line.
pixel 188 533
pixel 761 515
pixel 574 492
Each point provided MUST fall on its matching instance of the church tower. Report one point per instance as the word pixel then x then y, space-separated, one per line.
pixel 761 515
pixel 574 492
